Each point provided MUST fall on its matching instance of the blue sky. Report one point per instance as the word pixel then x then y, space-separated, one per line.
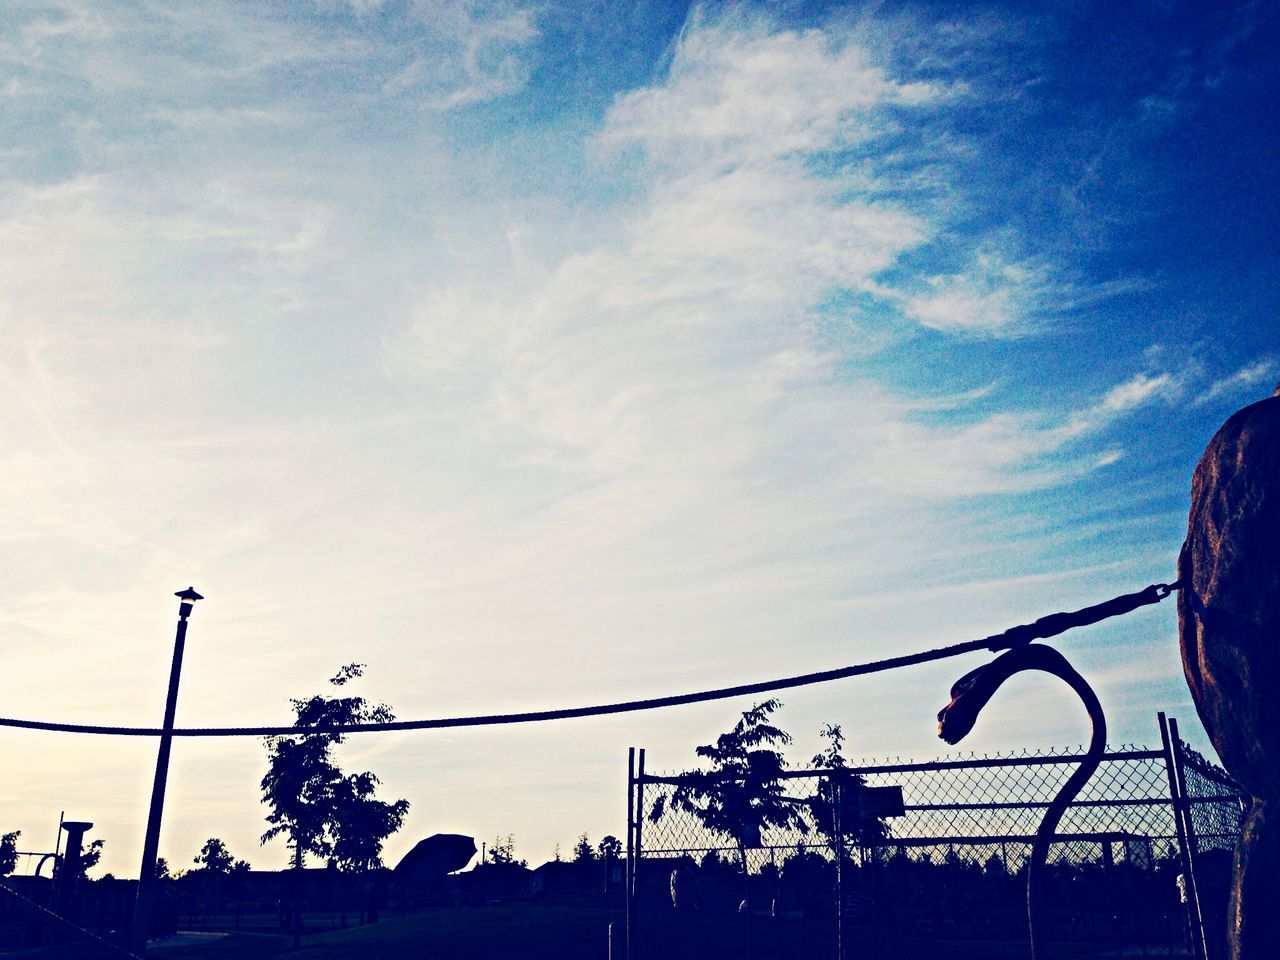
pixel 541 354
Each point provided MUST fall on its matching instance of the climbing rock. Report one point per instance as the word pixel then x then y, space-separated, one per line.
pixel 1229 627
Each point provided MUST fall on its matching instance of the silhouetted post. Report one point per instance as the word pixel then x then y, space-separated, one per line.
pixel 837 824
pixel 630 899
pixel 150 846
pixel 69 874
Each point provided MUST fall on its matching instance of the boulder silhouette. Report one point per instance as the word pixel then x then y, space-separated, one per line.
pixel 431 859
pixel 1229 630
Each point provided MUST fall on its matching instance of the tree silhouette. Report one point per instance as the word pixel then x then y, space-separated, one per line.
pixel 741 795
pixel 9 852
pixel 308 797
pixel 582 852
pixel 296 788
pixel 214 857
pixel 854 827
pixel 503 851
pixel 610 848
pixel 361 822
pixel 89 857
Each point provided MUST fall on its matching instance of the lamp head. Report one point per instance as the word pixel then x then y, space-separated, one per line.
pixel 186 600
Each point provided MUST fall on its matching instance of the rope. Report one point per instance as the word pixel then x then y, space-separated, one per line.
pixel 1047 626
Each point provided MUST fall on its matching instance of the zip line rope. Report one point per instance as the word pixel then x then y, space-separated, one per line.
pixel 1047 626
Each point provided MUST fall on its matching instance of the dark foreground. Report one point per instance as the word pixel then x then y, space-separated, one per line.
pixel 572 932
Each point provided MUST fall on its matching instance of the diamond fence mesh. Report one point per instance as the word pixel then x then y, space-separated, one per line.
pixel 952 864
pixel 970 810
pixel 1215 803
pixel 1213 808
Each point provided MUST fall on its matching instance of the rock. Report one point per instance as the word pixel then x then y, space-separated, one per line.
pixel 1229 628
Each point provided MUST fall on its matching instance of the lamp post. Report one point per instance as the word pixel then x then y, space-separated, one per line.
pixel 147 873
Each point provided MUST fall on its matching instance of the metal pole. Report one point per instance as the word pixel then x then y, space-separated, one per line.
pixel 150 846
pixel 635 873
pixel 629 873
pixel 1189 829
pixel 57 849
pixel 1191 906
pixel 837 820
pixel 57 843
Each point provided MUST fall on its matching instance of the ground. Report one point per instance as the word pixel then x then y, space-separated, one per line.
pixel 568 932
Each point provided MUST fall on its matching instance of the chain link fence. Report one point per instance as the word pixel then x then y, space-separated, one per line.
pixel 951 863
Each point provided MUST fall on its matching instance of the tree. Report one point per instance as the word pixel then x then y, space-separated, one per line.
pixel 853 827
pixel 162 869
pixel 310 800
pixel 741 795
pixel 89 857
pixel 610 848
pixel 299 780
pixel 582 852
pixel 9 852
pixel 214 857
pixel 503 851
pixel 361 822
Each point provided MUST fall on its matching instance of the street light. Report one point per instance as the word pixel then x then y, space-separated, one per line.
pixel 147 874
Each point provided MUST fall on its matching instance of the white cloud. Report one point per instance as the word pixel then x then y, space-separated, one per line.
pixel 957 309
pixel 737 93
pixel 1139 390
pixel 687 348
pixel 1260 372
pixel 999 295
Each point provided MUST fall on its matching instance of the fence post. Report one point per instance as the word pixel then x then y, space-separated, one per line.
pixel 1193 850
pixel 633 941
pixel 837 823
pixel 1195 927
pixel 629 874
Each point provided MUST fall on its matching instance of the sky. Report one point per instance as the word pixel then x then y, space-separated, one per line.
pixel 542 354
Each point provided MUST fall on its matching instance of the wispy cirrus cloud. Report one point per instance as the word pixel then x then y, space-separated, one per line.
pixel 1252 375
pixel 701 317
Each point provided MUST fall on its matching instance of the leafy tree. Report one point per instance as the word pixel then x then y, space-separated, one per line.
pixel 310 800
pixel 855 828
pixel 162 869
pixel 214 857
pixel 741 795
pixel 299 780
pixel 9 852
pixel 361 822
pixel 582 852
pixel 610 848
pixel 503 851
pixel 89 857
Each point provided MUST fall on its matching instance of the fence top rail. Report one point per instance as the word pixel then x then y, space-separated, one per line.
pixel 1042 804
pixel 1192 759
pixel 1106 836
pixel 933 765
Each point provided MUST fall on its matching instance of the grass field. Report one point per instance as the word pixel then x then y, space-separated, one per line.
pixel 573 932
